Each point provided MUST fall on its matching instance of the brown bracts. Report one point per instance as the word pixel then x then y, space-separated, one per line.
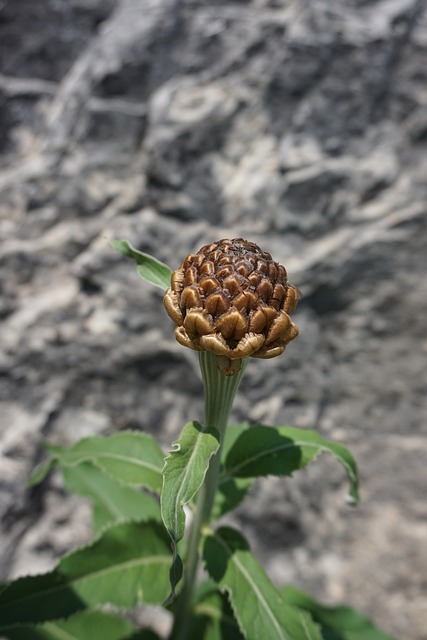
pixel 231 298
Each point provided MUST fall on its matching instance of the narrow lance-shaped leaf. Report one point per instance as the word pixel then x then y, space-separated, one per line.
pixel 41 471
pixel 85 625
pixel 150 269
pixel 183 474
pixel 111 501
pixel 131 457
pixel 338 623
pixel 263 450
pixel 127 565
pixel 257 604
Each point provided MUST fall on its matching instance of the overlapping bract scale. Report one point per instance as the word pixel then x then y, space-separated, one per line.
pixel 233 299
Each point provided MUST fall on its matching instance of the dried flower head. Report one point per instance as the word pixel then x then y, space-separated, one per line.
pixel 231 298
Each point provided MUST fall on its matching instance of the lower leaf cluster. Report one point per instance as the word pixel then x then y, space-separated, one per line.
pixel 139 502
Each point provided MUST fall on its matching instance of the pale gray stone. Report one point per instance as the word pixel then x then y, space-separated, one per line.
pixel 298 125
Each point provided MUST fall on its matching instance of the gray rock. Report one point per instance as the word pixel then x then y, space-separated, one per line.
pixel 299 125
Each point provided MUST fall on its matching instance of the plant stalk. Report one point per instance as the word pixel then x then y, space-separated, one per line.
pixel 220 391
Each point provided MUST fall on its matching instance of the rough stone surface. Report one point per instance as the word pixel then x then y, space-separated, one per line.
pixel 300 125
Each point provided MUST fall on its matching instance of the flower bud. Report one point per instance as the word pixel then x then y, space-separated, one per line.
pixel 231 298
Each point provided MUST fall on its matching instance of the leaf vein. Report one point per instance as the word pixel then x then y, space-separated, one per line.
pixel 265 452
pixel 183 485
pixel 115 456
pixel 254 587
pixel 164 559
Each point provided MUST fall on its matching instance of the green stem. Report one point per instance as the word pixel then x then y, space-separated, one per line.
pixel 220 391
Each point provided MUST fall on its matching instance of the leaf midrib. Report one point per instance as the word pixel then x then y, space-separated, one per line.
pixel 103 498
pixel 253 585
pixel 61 633
pixel 178 504
pixel 265 452
pixel 93 575
pixel 78 458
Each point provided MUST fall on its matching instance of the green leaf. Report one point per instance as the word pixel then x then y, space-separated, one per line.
pixel 131 457
pixel 213 616
pixel 337 623
pixel 183 474
pixel 111 501
pixel 262 450
pixel 232 433
pixel 257 604
pixel 127 565
pixel 41 471
pixel 150 269
pixel 143 634
pixel 85 625
pixel 231 491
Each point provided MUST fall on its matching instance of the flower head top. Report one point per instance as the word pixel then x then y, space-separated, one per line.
pixel 232 299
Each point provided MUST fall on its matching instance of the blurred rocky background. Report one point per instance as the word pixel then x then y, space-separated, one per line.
pixel 298 124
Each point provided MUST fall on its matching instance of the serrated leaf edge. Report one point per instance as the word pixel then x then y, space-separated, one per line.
pixel 160 559
pixel 93 459
pixel 229 591
pixel 82 547
pixel 178 503
pixel 176 560
pixel 54 621
pixel 119 519
pixel 304 616
pixel 323 448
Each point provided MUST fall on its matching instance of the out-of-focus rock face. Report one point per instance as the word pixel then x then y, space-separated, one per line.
pixel 301 126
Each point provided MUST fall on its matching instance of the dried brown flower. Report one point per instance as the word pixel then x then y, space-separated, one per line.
pixel 231 298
